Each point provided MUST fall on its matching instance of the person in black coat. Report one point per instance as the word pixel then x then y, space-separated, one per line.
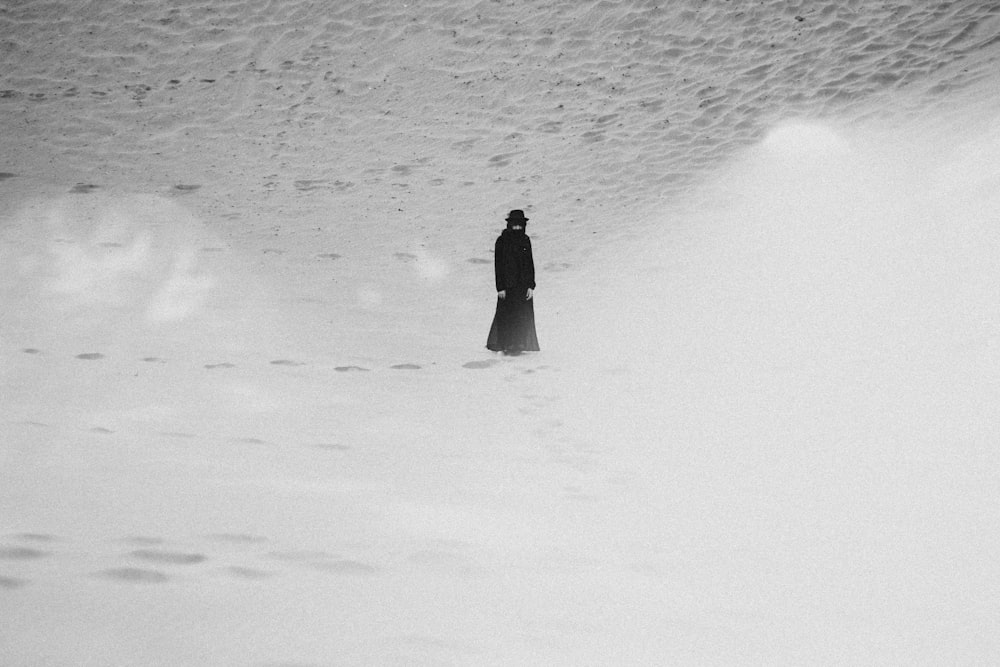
pixel 513 329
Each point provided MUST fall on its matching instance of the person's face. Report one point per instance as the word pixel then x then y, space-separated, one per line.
pixel 519 228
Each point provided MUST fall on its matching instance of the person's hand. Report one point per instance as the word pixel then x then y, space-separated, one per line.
pixel 531 293
pixel 502 294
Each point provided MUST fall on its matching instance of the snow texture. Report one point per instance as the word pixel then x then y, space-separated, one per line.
pixel 247 416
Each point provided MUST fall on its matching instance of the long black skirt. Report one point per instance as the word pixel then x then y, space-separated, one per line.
pixel 513 329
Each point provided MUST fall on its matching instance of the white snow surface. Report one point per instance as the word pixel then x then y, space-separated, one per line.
pixel 246 412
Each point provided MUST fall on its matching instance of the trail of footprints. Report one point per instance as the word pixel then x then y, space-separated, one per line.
pixel 477 364
pixel 150 560
pixel 497 361
pixel 142 560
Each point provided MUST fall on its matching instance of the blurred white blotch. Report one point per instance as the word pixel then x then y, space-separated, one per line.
pixel 93 272
pixel 430 267
pixel 101 257
pixel 183 292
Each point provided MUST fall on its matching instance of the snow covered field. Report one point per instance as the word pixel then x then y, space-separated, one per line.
pixel 247 416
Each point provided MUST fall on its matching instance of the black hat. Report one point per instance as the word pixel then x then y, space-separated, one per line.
pixel 516 216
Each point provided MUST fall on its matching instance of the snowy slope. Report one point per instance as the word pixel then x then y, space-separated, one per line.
pixel 246 414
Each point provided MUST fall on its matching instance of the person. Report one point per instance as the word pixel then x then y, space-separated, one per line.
pixel 513 329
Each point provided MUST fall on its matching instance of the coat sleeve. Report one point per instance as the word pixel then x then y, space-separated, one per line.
pixel 498 266
pixel 530 269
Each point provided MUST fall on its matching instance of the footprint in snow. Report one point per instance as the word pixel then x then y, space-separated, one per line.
pixel 21 553
pixel 178 434
pixel 299 556
pixel 501 160
pixel 44 538
pixel 169 557
pixel 555 267
pixel 333 447
pixel 326 562
pixel 248 572
pixel 133 575
pixel 237 538
pixel 249 441
pixel 486 363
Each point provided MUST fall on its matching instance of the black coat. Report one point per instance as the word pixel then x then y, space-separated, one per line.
pixel 513 263
pixel 513 328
